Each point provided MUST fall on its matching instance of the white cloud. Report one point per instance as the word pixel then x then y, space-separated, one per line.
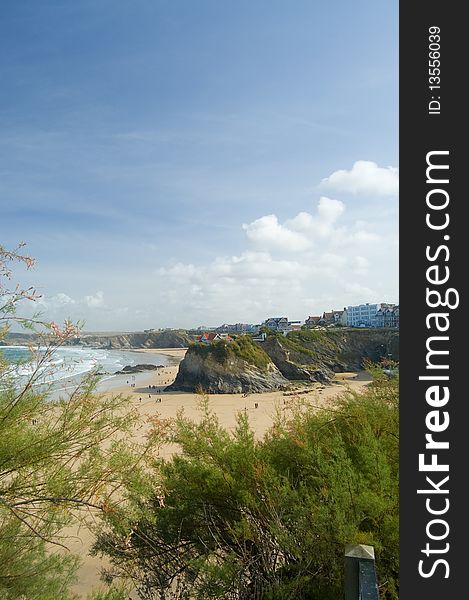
pixel 308 232
pixel 60 300
pixel 96 301
pixel 309 263
pixel 330 210
pixel 267 232
pixel 365 237
pixel 233 286
pixel 365 177
pixel 320 225
pixel 317 259
pixel 361 265
pixel 302 222
pixel 357 290
pixel 61 306
pixel 297 234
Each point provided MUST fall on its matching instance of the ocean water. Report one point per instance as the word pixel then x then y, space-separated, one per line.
pixel 69 364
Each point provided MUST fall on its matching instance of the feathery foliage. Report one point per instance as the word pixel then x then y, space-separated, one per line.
pixel 53 466
pixel 266 519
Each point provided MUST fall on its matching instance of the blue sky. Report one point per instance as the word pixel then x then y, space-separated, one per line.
pixel 157 156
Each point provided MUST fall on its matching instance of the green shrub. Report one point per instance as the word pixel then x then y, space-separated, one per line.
pixel 269 519
pixel 243 347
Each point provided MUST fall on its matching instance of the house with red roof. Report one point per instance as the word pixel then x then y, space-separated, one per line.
pixel 212 336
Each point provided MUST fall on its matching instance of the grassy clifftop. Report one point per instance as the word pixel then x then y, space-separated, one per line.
pixel 242 348
pixel 328 350
pixel 338 349
pixel 308 342
pixel 228 367
pixel 242 364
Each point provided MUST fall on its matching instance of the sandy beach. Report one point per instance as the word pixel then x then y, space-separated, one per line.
pixel 145 397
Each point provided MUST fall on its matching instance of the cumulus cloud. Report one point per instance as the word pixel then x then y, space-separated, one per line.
pixel 298 233
pixel 96 301
pixel 329 210
pixel 253 285
pixel 310 262
pixel 320 225
pixel 60 300
pixel 307 232
pixel 365 177
pixel 233 286
pixel 326 256
pixel 61 306
pixel 268 232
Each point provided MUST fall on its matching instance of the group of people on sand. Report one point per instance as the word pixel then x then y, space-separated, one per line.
pixel 149 395
pixel 155 387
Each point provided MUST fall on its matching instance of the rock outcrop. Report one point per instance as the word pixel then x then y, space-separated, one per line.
pixel 137 369
pixel 317 354
pixel 221 369
pixel 294 365
pixel 307 355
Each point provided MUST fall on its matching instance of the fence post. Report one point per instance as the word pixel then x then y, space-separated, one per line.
pixel 360 574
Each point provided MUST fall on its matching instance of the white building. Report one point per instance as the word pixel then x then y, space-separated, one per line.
pixel 368 315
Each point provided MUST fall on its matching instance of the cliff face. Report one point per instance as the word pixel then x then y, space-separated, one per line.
pixel 220 369
pixel 18 339
pixel 295 365
pixel 154 339
pixel 244 365
pixel 317 355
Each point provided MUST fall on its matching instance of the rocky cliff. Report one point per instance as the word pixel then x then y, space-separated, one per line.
pixel 317 354
pixel 228 368
pixel 153 339
pixel 307 355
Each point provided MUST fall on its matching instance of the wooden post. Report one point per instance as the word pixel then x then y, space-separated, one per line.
pixel 360 574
